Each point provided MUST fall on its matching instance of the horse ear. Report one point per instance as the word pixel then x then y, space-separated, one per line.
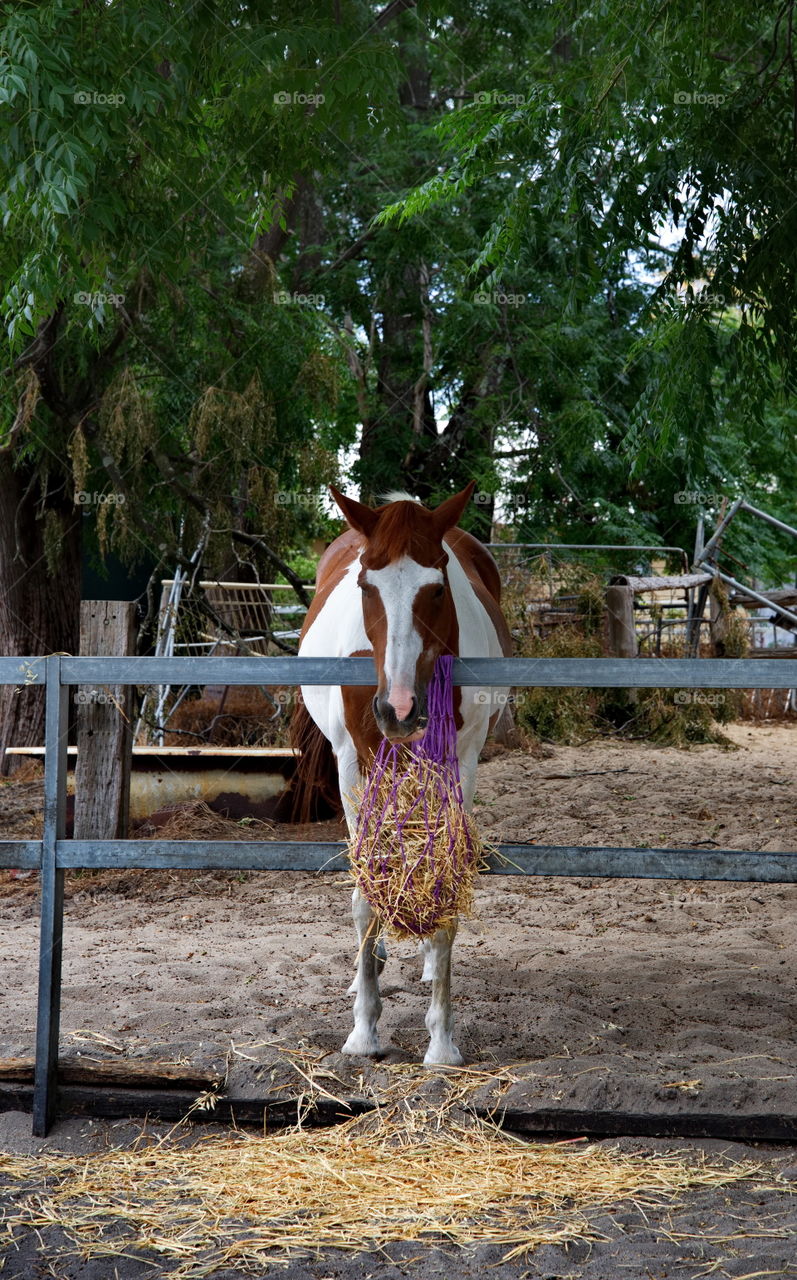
pixel 449 512
pixel 359 516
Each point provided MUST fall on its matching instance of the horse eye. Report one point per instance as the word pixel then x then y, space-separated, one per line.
pixel 439 592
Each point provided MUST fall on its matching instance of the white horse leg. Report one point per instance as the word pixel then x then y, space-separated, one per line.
pixel 437 952
pixel 468 762
pixel 439 1018
pixel 364 1039
pixel 360 912
pixel 380 956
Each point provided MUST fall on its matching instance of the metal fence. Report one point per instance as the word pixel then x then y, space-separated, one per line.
pixel 53 854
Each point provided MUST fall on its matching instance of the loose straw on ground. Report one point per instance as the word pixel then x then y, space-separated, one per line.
pixel 416 853
pixel 254 1202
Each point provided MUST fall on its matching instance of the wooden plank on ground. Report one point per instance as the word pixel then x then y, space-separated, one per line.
pixel 173 1105
pixel 114 1072
pixel 746 1127
pixel 276 1113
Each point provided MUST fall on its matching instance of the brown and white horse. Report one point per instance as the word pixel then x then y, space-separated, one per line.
pixel 404 584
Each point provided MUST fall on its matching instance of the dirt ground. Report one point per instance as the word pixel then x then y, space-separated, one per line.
pixel 628 995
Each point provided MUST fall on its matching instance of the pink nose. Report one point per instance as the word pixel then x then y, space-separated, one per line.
pixel 402 701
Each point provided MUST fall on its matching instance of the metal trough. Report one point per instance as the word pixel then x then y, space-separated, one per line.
pixel 165 776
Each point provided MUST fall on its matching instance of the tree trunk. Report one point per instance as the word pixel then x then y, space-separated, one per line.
pixel 39 612
pixel 404 416
pixel 405 410
pixel 465 448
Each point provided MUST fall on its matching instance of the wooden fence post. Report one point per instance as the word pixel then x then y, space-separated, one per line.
pixel 622 639
pixel 104 729
pixel 621 632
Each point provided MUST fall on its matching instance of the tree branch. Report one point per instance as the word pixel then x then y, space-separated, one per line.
pixel 238 535
pixel 353 251
pixel 252 540
pixel 39 357
pixel 391 11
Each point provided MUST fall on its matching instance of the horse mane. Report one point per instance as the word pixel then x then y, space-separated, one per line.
pixel 398 495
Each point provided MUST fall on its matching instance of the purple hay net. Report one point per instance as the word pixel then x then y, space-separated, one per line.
pixel 382 827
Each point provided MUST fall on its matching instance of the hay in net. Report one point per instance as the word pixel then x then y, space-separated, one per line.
pixel 416 853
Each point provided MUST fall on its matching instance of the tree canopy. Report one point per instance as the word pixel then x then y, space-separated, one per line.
pixel 249 246
pixel 148 165
pixel 650 143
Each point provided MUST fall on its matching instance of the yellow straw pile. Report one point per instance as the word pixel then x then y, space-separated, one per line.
pixel 255 1202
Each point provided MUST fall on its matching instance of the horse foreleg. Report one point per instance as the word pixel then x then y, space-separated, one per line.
pixel 364 1039
pixel 380 955
pixel 437 954
pixel 349 779
pixel 439 1018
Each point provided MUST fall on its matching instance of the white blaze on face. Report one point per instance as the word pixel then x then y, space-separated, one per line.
pixel 398 584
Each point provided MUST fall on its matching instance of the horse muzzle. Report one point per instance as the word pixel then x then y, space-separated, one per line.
pixel 405 724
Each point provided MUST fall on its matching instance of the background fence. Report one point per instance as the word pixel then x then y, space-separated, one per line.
pixel 54 853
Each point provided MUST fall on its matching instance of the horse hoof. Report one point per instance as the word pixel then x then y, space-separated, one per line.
pixel 443 1056
pixel 361 1045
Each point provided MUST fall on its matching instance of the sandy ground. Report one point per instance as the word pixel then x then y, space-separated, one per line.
pixel 628 995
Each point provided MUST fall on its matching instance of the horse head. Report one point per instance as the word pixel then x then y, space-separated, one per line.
pixel 408 610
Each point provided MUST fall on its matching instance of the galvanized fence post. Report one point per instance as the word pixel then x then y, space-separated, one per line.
pixel 52 900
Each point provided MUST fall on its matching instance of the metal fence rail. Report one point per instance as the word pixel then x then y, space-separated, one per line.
pixel 603 673
pixel 53 854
